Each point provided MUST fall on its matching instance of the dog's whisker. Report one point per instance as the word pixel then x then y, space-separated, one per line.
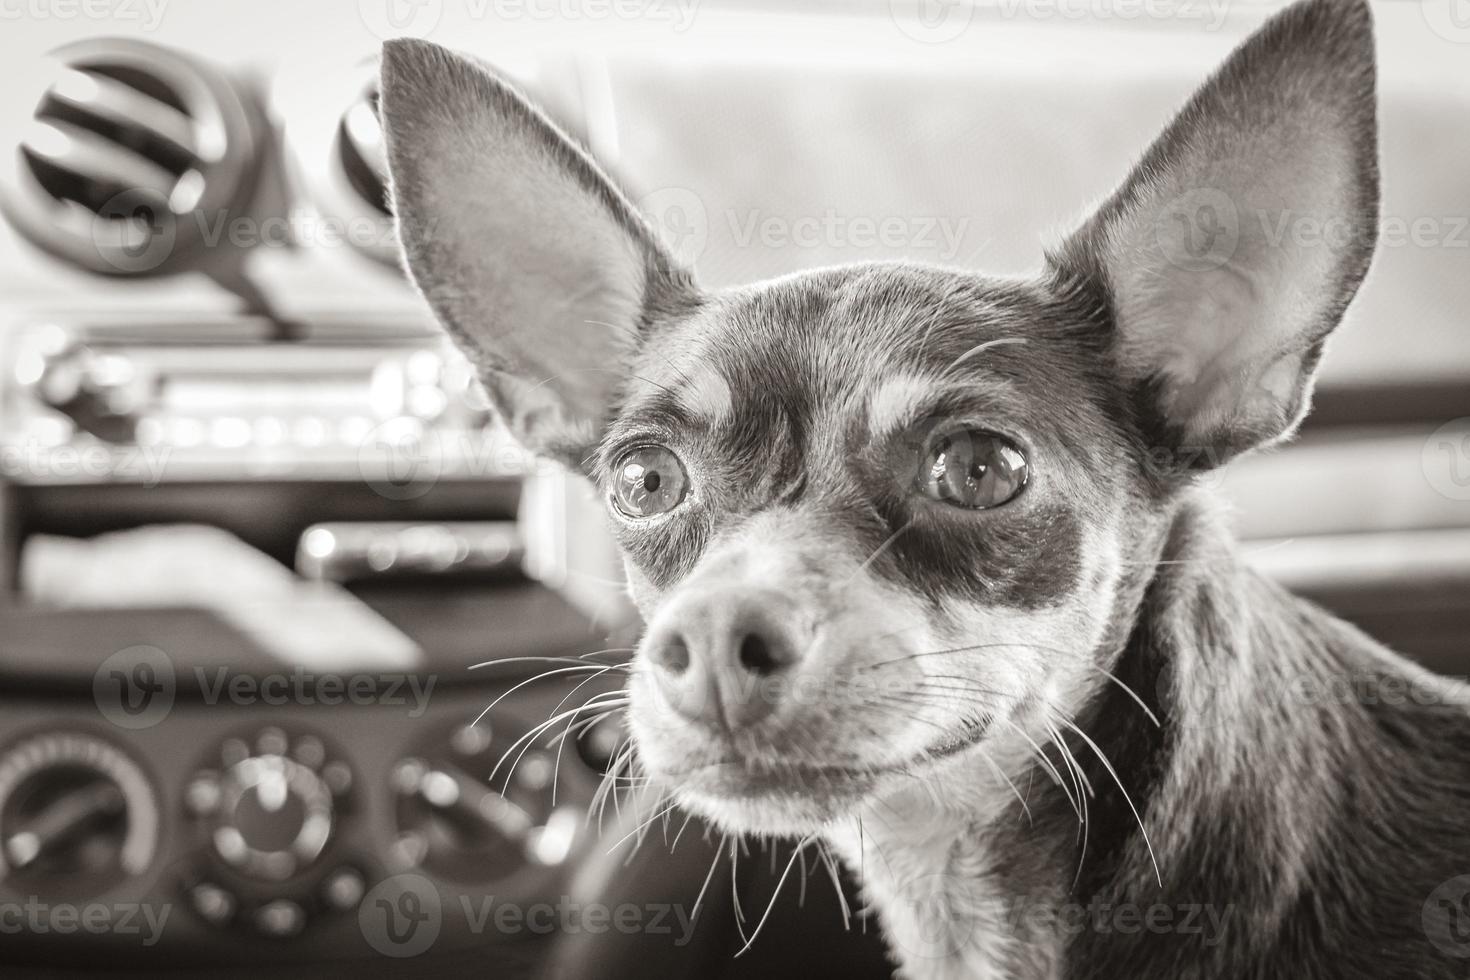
pixel 961 684
pixel 1083 828
pixel 639 805
pixel 978 348
pixel 562 742
pixel 735 892
pixel 560 671
pixel 608 784
pixel 800 847
pixel 577 660
pixel 1102 757
pixel 688 816
pixel 1001 773
pixel 632 333
pixel 826 857
pixel 595 370
pixel 714 863
pixel 902 629
pixel 640 830
pixel 529 738
pixel 1040 757
pixel 878 551
pixel 898 711
pixel 1087 662
pixel 625 758
pixel 801 881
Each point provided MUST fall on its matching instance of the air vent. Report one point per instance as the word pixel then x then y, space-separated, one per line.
pixel 359 168
pixel 133 157
pixel 338 158
pixel 360 153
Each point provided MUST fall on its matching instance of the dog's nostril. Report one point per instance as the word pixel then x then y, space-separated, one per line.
pixel 756 655
pixel 673 656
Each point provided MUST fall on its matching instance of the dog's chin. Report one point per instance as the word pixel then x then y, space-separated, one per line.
pixel 780 799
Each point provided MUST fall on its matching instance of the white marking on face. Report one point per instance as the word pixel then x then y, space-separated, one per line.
pixel 688 373
pixel 705 392
pixel 898 401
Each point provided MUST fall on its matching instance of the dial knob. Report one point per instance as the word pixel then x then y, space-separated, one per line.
pixel 469 818
pixel 269 815
pixel 76 815
pixel 100 393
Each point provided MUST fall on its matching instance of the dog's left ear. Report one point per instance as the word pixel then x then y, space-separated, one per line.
pixel 1237 242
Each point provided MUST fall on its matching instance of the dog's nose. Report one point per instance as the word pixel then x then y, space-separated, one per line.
pixel 721 657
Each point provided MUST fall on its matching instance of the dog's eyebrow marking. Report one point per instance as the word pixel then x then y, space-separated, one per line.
pixel 699 389
pixel 899 400
pixel 904 399
pixel 675 399
pixel 704 392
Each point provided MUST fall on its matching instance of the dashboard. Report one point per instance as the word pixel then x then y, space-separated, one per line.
pixel 182 801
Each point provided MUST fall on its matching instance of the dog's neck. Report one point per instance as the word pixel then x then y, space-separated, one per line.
pixel 985 887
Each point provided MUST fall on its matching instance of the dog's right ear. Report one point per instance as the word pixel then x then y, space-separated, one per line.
pixel 535 263
pixel 1235 245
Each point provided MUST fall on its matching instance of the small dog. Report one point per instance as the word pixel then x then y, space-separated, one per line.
pixel 928 567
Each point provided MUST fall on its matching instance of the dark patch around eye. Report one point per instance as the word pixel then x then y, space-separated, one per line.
pixel 668 552
pixel 1027 560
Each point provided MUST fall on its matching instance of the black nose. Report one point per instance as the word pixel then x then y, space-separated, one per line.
pixel 722 657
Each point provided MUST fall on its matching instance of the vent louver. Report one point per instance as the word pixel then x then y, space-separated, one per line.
pixel 359 168
pixel 360 151
pixel 337 155
pixel 134 153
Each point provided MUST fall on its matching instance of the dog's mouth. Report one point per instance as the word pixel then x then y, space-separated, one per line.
pixel 778 777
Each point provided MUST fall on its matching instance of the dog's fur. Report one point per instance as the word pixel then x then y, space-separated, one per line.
pixel 980 681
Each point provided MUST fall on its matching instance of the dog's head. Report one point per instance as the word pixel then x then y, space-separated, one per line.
pixel 881 518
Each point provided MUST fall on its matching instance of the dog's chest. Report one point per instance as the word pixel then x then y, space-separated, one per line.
pixel 944 911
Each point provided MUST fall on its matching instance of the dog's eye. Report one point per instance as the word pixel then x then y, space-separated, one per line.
pixel 647 481
pixel 973 468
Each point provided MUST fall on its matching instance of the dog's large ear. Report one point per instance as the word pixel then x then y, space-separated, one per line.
pixel 534 262
pixel 1237 242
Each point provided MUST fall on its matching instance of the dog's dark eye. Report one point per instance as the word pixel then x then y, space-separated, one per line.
pixel 973 468
pixel 647 481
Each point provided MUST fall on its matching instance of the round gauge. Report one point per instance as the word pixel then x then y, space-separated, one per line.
pixel 77 815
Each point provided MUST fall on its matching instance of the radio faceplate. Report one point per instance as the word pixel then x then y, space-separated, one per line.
pixel 174 401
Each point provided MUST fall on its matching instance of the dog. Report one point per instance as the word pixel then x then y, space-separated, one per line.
pixel 929 562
